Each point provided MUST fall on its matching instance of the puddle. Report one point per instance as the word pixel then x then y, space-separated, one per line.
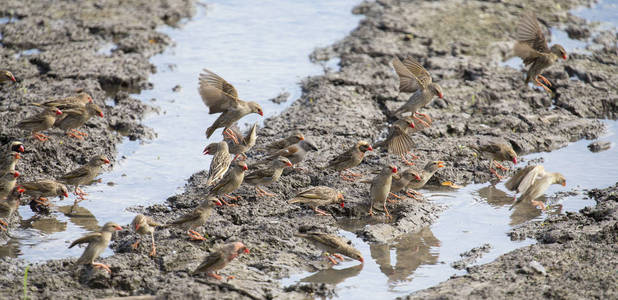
pixel 28 52
pixel 605 12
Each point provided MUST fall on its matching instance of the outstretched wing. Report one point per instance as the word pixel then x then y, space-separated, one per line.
pixel 529 32
pixel 89 238
pixel 217 94
pixel 412 76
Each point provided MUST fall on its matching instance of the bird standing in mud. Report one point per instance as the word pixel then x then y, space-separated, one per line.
pixel 76 117
pixel 40 189
pixel 332 245
pixel 196 218
pixel 428 171
pixel 497 152
pixel 39 122
pixel 295 153
pixel 380 187
pixel 283 143
pixel 267 175
pixel 97 242
pixel 7 183
pixel 532 181
pixel 8 206
pixel 532 47
pixel 6 75
pixel 401 180
pixel 318 196
pixel 413 78
pixel 350 159
pixel 77 101
pixel 220 258
pixel 239 144
pixel 220 162
pixel 145 225
pixel 84 175
pixel 230 182
pixel 222 97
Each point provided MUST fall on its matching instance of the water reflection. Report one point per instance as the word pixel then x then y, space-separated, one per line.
pixel 80 216
pixel 521 213
pixel 46 225
pixel 334 276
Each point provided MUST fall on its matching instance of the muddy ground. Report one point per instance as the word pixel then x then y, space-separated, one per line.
pixel 483 100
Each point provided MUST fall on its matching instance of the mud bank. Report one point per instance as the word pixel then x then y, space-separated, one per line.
pixel 483 100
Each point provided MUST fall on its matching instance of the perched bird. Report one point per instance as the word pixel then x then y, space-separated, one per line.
pixel 220 162
pixel 196 218
pixel 350 159
pixel 398 140
pixel 222 97
pixel 283 143
pixel 76 117
pixel 220 258
pixel 145 225
pixel 380 187
pixel 230 182
pixel 332 245
pixel 7 183
pixel 318 196
pixel 97 242
pixel 413 78
pixel 77 101
pixel 239 144
pixel 267 175
pixel 497 152
pixel 6 75
pixel 295 153
pixel 532 47
pixel 428 171
pixel 9 205
pixel 8 162
pixel 401 180
pixel 39 122
pixel 532 181
pixel 84 175
pixel 41 189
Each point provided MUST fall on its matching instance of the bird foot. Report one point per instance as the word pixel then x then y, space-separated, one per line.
pixel 414 194
pixel 338 256
pixel 263 193
pixel 543 86
pixel 39 136
pixel 405 160
pixel 332 260
pixel 73 135
pixel 420 120
pixel 102 266
pixel 496 173
pixel 4 223
pixel 135 245
pixel 226 203
pixel 229 133
pixel 500 166
pixel 195 236
pixel 320 212
pixel 77 132
pixel 547 82
pixel 42 201
pixel 153 252
pixel 215 276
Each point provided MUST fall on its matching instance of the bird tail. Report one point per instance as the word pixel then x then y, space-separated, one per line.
pixel 37 104
pixel 295 200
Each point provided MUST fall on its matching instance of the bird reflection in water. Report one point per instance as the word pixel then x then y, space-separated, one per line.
pixel 334 276
pixel 521 213
pixel 80 216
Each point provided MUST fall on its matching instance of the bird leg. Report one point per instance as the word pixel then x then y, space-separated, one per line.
pixel 153 252
pixel 393 200
pixel 493 171
pixel 538 203
pixel 349 176
pixel 320 212
pixel 39 136
pixel 388 215
pixel 42 201
pixel 327 255
pixel 231 198
pixel 544 79
pixel 195 236
pixel 244 157
pixel 414 194
pixel 135 245
pixel 261 192
pixel 405 160
pixel 4 225
pixel 338 256
pixel 229 133
pixel 500 166
pixel 73 135
pixel 542 85
pixel 75 131
pixel 103 266
pixel 215 276
pixel 371 210
pixel 419 119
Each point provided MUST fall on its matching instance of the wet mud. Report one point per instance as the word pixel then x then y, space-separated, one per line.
pixel 484 99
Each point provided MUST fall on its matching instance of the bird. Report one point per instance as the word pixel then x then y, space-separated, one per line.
pixel 8 162
pixel 267 175
pixel 196 218
pixel 7 183
pixel 380 187
pixel 221 97
pixel 239 144
pixel 428 171
pixel 6 75
pixel 15 146
pixel 350 159
pixel 39 122
pixel 319 196
pixel 532 182
pixel 84 175
pixel 76 117
pixel 40 189
pixel 296 153
pixel 532 48
pixel 9 205
pixel 220 162
pixel 79 100
pixel 145 225
pixel 277 145
pixel 401 180
pixel 332 245
pixel 413 78
pixel 230 182
pixel 220 258
pixel 398 140
pixel 498 152
pixel 97 242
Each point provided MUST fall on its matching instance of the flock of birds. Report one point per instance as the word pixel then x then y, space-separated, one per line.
pixel 228 168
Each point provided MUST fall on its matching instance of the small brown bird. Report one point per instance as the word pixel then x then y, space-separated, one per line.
pixel 6 75
pixel 145 225
pixel 222 97
pixel 399 141
pixel 220 162
pixel 318 196
pixel 15 146
pixel 532 181
pixel 196 218
pixel 76 117
pixel 332 245
pixel 39 122
pixel 239 144
pixel 9 205
pixel 497 152
pixel 40 189
pixel 428 171
pixel 283 143
pixel 220 258
pixel 84 175
pixel 413 78
pixel 97 242
pixel 350 159
pixel 267 175
pixel 77 101
pixel 8 162
pixel 401 180
pixel 7 183
pixel 230 182
pixel 532 47
pixel 380 187
pixel 295 153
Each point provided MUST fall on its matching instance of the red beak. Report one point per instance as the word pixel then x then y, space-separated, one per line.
pixel 289 164
pixel 564 183
pixel 206 152
pixel 370 148
pixel 247 250
pixel 15 174
pixel 106 161
pixel 361 260
pixel 342 205
pixel 394 169
pixel 245 168
pixel 515 160
pixel 218 203
pixel 302 138
pixel 21 148
pixel 564 57
pixel 261 113
pixel 58 112
pixel 66 194
pixel 440 95
pixel 418 178
pixel 13 78
pixel 118 228
pixel 101 114
pixel 20 189
pixel 136 227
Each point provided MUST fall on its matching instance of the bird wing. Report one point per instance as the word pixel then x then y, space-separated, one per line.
pixel 529 33
pixel 42 185
pixel 152 222
pixel 217 94
pixel 209 261
pixel 79 172
pixel 408 82
pixel 328 240
pixel 318 192
pixel 419 71
pixel 89 238
pixel 218 166
pixel 525 178
pixel 343 157
pixel 261 173
pixel 399 142
pixel 192 216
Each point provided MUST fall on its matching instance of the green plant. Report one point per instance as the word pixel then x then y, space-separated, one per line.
pixel 26 283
